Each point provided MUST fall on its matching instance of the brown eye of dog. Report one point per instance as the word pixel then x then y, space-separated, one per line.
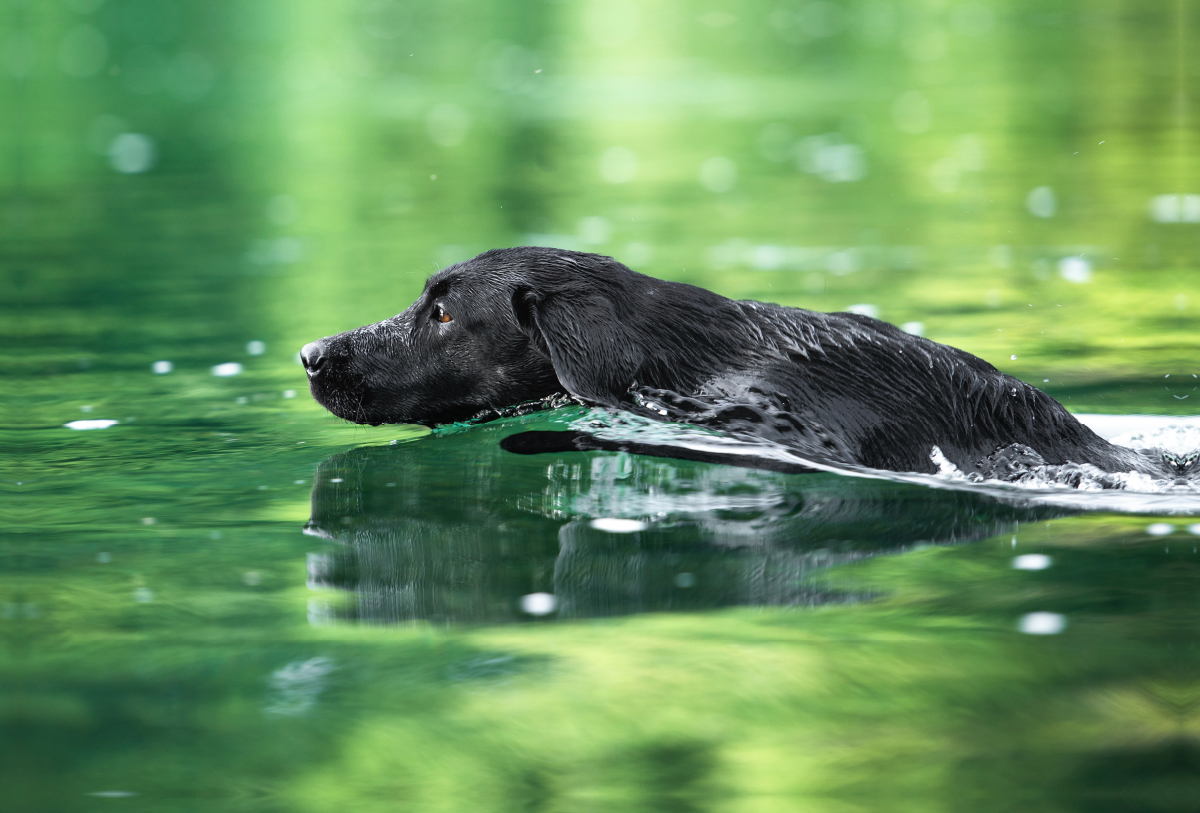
pixel 441 315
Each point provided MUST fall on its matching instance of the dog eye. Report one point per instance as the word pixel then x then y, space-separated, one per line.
pixel 440 314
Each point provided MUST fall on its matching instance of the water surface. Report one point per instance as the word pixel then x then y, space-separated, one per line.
pixel 226 599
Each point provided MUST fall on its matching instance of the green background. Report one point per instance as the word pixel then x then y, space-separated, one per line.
pixel 180 179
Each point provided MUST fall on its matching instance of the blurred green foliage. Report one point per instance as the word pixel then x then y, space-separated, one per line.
pixel 180 178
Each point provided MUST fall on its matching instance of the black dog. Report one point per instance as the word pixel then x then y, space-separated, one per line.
pixel 521 324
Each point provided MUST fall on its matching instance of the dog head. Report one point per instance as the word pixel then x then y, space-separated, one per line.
pixel 508 326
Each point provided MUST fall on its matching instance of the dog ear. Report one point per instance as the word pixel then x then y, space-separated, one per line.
pixel 591 350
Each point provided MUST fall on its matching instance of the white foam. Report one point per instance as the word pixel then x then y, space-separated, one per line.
pixel 1144 431
pixel 1083 487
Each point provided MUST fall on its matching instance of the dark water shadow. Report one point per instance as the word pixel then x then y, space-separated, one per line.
pixel 453 528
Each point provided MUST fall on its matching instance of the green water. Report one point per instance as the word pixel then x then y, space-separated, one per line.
pixel 230 600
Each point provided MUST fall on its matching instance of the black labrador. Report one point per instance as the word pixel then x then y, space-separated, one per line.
pixel 521 324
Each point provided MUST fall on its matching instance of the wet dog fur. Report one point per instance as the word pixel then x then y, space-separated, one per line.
pixel 522 324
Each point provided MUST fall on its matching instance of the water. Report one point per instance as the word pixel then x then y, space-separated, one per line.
pixel 215 596
pixel 1085 486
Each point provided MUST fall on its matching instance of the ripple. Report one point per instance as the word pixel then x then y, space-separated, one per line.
pixel 1079 487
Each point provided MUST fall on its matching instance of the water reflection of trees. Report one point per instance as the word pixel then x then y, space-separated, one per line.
pixel 866 145
pixel 451 528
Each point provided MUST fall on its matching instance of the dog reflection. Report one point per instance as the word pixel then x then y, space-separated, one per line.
pixel 450 528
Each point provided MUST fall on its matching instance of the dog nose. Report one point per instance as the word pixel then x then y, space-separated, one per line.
pixel 312 355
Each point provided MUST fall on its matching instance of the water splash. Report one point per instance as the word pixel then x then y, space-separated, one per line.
pixel 1015 479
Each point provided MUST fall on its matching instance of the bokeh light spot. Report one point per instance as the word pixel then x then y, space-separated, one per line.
pixel 1175 208
pixel 538 603
pixel 131 153
pixel 864 309
pixel 1075 269
pixel 1042 623
pixel 1032 561
pixel 227 369
pixel 1041 202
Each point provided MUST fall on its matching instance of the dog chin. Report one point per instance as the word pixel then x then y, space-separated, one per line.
pixel 345 406
pixel 349 409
